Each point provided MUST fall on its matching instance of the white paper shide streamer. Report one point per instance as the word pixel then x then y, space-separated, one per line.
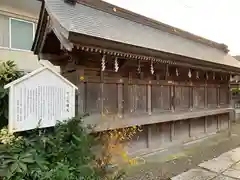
pixel 116 64
pixel 103 63
pixel 189 73
pixel 152 69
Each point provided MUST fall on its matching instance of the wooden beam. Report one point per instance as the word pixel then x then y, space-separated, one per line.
pixel 129 120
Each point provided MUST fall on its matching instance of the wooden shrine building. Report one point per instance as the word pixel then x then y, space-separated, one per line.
pixel 132 70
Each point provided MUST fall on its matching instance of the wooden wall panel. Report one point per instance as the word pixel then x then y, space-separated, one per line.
pixel 212 97
pixel 198 97
pixel 161 98
pixel 182 100
pixel 224 95
pixel 212 124
pixel 135 98
pixel 138 142
pixel 93 98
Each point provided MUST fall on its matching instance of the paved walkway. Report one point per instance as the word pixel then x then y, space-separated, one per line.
pixel 224 167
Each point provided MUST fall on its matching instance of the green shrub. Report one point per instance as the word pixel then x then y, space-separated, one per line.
pixel 59 153
pixel 8 73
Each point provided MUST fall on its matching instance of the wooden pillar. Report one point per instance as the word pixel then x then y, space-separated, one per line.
pixel 229 95
pixel 231 117
pixel 218 123
pixel 191 97
pixel 189 128
pixel 172 129
pixel 206 96
pixel 205 124
pixel 120 98
pixel 166 72
pixel 149 136
pixel 81 94
pixel 173 98
pixel 101 93
pixel 149 98
pixel 218 96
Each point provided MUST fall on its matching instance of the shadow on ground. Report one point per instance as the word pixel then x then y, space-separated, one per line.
pixel 164 165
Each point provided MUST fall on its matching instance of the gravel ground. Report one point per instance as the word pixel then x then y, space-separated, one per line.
pixel 185 158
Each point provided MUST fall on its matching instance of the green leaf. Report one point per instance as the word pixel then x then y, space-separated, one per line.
pixel 9 161
pixel 22 166
pixel 27 160
pixel 14 167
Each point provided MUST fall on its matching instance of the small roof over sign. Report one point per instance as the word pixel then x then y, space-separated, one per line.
pixel 27 76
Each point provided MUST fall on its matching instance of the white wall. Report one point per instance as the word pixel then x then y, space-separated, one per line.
pixel 25 10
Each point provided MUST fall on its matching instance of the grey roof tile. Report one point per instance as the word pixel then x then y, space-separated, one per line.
pixel 89 21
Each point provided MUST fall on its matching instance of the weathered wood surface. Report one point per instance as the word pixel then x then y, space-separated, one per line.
pixel 101 123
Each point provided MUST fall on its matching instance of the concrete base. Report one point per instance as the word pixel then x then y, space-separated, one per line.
pixel 224 167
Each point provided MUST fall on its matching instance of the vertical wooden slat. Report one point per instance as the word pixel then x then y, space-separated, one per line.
pixel 206 96
pixel 229 95
pixel 218 123
pixel 149 98
pixel 189 128
pixel 149 136
pixel 191 97
pixel 218 96
pixel 172 129
pixel 172 97
pixel 81 95
pixel 231 117
pixel 205 124
pixel 120 98
pixel 101 93
pixel 166 72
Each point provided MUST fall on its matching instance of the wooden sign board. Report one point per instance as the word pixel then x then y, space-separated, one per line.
pixel 40 99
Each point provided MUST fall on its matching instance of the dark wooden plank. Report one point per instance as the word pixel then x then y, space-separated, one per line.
pixel 129 121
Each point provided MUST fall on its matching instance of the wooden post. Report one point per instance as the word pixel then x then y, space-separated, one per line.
pixel 81 94
pixel 205 124
pixel 149 136
pixel 189 128
pixel 172 98
pixel 120 98
pixel 229 96
pixel 149 98
pixel 231 117
pixel 218 96
pixel 166 72
pixel 218 123
pixel 206 96
pixel 101 93
pixel 191 97
pixel 172 129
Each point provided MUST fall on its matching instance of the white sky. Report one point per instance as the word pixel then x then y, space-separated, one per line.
pixel 217 20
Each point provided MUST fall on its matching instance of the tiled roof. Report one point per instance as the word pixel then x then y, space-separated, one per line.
pixel 89 21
